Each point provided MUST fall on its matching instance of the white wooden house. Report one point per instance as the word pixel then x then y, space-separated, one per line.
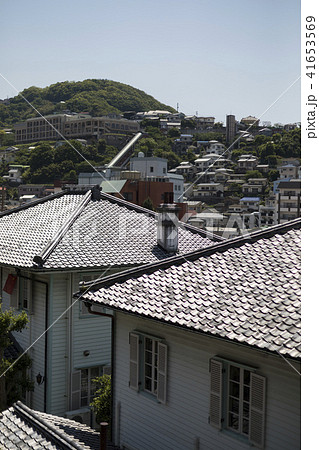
pixel 46 248
pixel 207 346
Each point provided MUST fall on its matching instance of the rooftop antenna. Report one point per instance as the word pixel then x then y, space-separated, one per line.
pixel 197 113
pixel 177 107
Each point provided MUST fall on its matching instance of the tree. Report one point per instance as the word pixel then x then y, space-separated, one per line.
pixel 71 152
pixel 173 133
pixel 102 401
pixel 273 175
pixel 13 379
pixel 148 204
pixel 40 156
pixel 252 174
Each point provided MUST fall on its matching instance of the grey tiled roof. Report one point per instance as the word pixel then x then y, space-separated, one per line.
pixel 24 428
pixel 69 231
pixel 243 290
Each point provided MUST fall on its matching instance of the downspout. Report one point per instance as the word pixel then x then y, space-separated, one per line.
pixel 70 340
pixel 112 359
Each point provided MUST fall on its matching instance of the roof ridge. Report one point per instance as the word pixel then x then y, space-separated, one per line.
pixel 46 427
pixel 33 203
pixel 180 259
pixel 154 214
pixel 40 259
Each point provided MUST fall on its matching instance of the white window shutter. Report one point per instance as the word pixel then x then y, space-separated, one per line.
pixel 215 411
pixel 25 293
pixel 29 290
pixel 14 297
pixel 162 373
pixel 76 390
pixel 134 361
pixel 257 409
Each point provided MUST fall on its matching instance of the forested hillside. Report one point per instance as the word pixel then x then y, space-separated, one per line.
pixel 97 97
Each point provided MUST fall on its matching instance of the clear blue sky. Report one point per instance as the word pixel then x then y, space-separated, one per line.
pixel 211 57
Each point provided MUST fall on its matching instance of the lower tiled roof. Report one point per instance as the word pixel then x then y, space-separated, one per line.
pixel 246 290
pixel 24 428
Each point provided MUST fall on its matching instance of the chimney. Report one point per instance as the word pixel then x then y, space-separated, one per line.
pixel 167 225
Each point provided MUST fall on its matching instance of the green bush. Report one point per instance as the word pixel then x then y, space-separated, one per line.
pixel 102 401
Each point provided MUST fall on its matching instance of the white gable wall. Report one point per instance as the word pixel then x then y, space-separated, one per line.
pixel 37 351
pixel 58 344
pixel 29 337
pixel 89 332
pixel 145 424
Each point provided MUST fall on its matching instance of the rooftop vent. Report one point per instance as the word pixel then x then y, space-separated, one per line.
pixel 167 225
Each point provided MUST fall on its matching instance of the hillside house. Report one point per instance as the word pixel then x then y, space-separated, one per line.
pixel 46 248
pixel 207 347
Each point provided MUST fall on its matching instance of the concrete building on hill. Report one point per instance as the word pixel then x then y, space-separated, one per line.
pixel 71 126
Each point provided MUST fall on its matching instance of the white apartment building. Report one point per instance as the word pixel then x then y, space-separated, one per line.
pixel 215 147
pixel 288 171
pixel 149 166
pixel 288 200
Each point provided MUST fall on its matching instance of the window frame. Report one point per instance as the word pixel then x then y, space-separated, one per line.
pixel 220 395
pixel 157 364
pixel 77 388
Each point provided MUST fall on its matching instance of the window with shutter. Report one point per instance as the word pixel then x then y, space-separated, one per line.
pixel 162 372
pixel 25 294
pixel 148 365
pixel 257 410
pixel 237 400
pixel 215 393
pixel 83 386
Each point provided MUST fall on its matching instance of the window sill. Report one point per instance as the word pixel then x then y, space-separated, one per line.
pixel 238 437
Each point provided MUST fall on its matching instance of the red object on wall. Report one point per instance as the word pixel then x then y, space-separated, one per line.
pixel 10 284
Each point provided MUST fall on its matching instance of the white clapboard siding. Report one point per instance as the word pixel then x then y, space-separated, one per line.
pixel 145 423
pixel 37 328
pixel 92 333
pixel 59 344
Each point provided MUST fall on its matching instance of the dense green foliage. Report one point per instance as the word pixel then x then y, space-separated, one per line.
pixel 13 379
pixel 65 162
pixel 97 97
pixel 102 401
pixel 157 144
pixel 270 150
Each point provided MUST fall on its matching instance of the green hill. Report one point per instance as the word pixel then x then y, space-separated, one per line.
pixel 97 97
